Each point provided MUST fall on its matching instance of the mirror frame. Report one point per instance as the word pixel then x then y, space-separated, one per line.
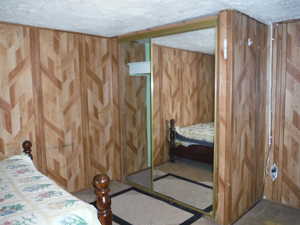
pixel 170 29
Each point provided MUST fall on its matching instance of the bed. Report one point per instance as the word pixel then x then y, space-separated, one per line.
pixel 28 197
pixel 194 142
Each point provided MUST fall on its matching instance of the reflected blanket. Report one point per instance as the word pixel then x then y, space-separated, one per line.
pixel 204 132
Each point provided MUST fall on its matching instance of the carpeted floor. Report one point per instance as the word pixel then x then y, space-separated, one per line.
pixel 190 169
pixel 142 178
pixel 199 195
pixel 129 204
pixel 264 213
pixel 186 191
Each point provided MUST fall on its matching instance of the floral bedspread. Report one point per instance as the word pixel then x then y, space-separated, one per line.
pixel 28 197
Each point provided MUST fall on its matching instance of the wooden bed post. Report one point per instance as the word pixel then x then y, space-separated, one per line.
pixel 103 202
pixel 172 140
pixel 27 148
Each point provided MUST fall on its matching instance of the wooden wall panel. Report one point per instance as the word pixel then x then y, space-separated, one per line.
pixel 223 119
pixel 17 113
pixel 206 101
pixel 61 91
pixel 136 136
pixel 261 138
pixel 183 90
pixel 59 65
pixel 285 150
pixel 116 157
pixel 241 114
pixel 133 98
pixel 101 85
pixel 160 154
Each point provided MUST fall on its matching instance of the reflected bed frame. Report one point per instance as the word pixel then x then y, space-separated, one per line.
pixel 101 185
pixel 195 152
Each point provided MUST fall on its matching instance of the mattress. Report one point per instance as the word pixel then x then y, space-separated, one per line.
pixel 28 197
pixel 202 133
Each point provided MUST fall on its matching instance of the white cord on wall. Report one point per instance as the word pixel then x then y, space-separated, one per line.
pixel 270 117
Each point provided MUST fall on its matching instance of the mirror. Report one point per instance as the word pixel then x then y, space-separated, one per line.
pixel 183 116
pixel 168 87
pixel 136 108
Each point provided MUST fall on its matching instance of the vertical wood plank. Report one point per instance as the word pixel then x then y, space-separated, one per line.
pixel 224 117
pixel 18 116
pixel 84 111
pixel 285 149
pixel 241 115
pixel 102 108
pixel 61 108
pixel 38 99
pixel 117 157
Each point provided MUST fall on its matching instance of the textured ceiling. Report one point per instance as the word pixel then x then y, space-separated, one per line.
pixel 200 41
pixel 115 17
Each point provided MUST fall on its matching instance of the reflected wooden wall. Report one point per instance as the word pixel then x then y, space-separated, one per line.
pixel 183 90
pixel 285 150
pixel 133 109
pixel 60 90
pixel 241 115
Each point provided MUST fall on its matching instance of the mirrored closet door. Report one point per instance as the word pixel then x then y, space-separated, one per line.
pixel 168 91
pixel 136 109
pixel 183 116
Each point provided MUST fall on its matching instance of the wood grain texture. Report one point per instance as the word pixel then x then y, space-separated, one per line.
pixel 59 60
pixel 101 84
pixel 285 151
pixel 241 115
pixel 17 112
pixel 60 90
pixel 38 99
pixel 183 90
pixel 169 29
pixel 223 117
pixel 116 160
pixel 133 109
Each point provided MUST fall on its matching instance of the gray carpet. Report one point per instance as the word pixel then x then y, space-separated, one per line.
pixel 264 213
pixel 193 193
pixel 142 178
pixel 137 208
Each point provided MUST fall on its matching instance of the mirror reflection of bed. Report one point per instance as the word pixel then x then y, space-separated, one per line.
pixel 183 121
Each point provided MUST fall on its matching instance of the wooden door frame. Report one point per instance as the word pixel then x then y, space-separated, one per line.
pixel 169 29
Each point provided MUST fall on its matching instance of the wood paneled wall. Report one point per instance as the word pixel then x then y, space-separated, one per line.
pixel 61 107
pixel 60 90
pixel 17 97
pixel 133 105
pixel 101 86
pixel 285 149
pixel 241 114
pixel 183 89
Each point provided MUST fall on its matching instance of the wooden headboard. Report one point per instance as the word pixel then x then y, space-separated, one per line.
pixel 27 148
